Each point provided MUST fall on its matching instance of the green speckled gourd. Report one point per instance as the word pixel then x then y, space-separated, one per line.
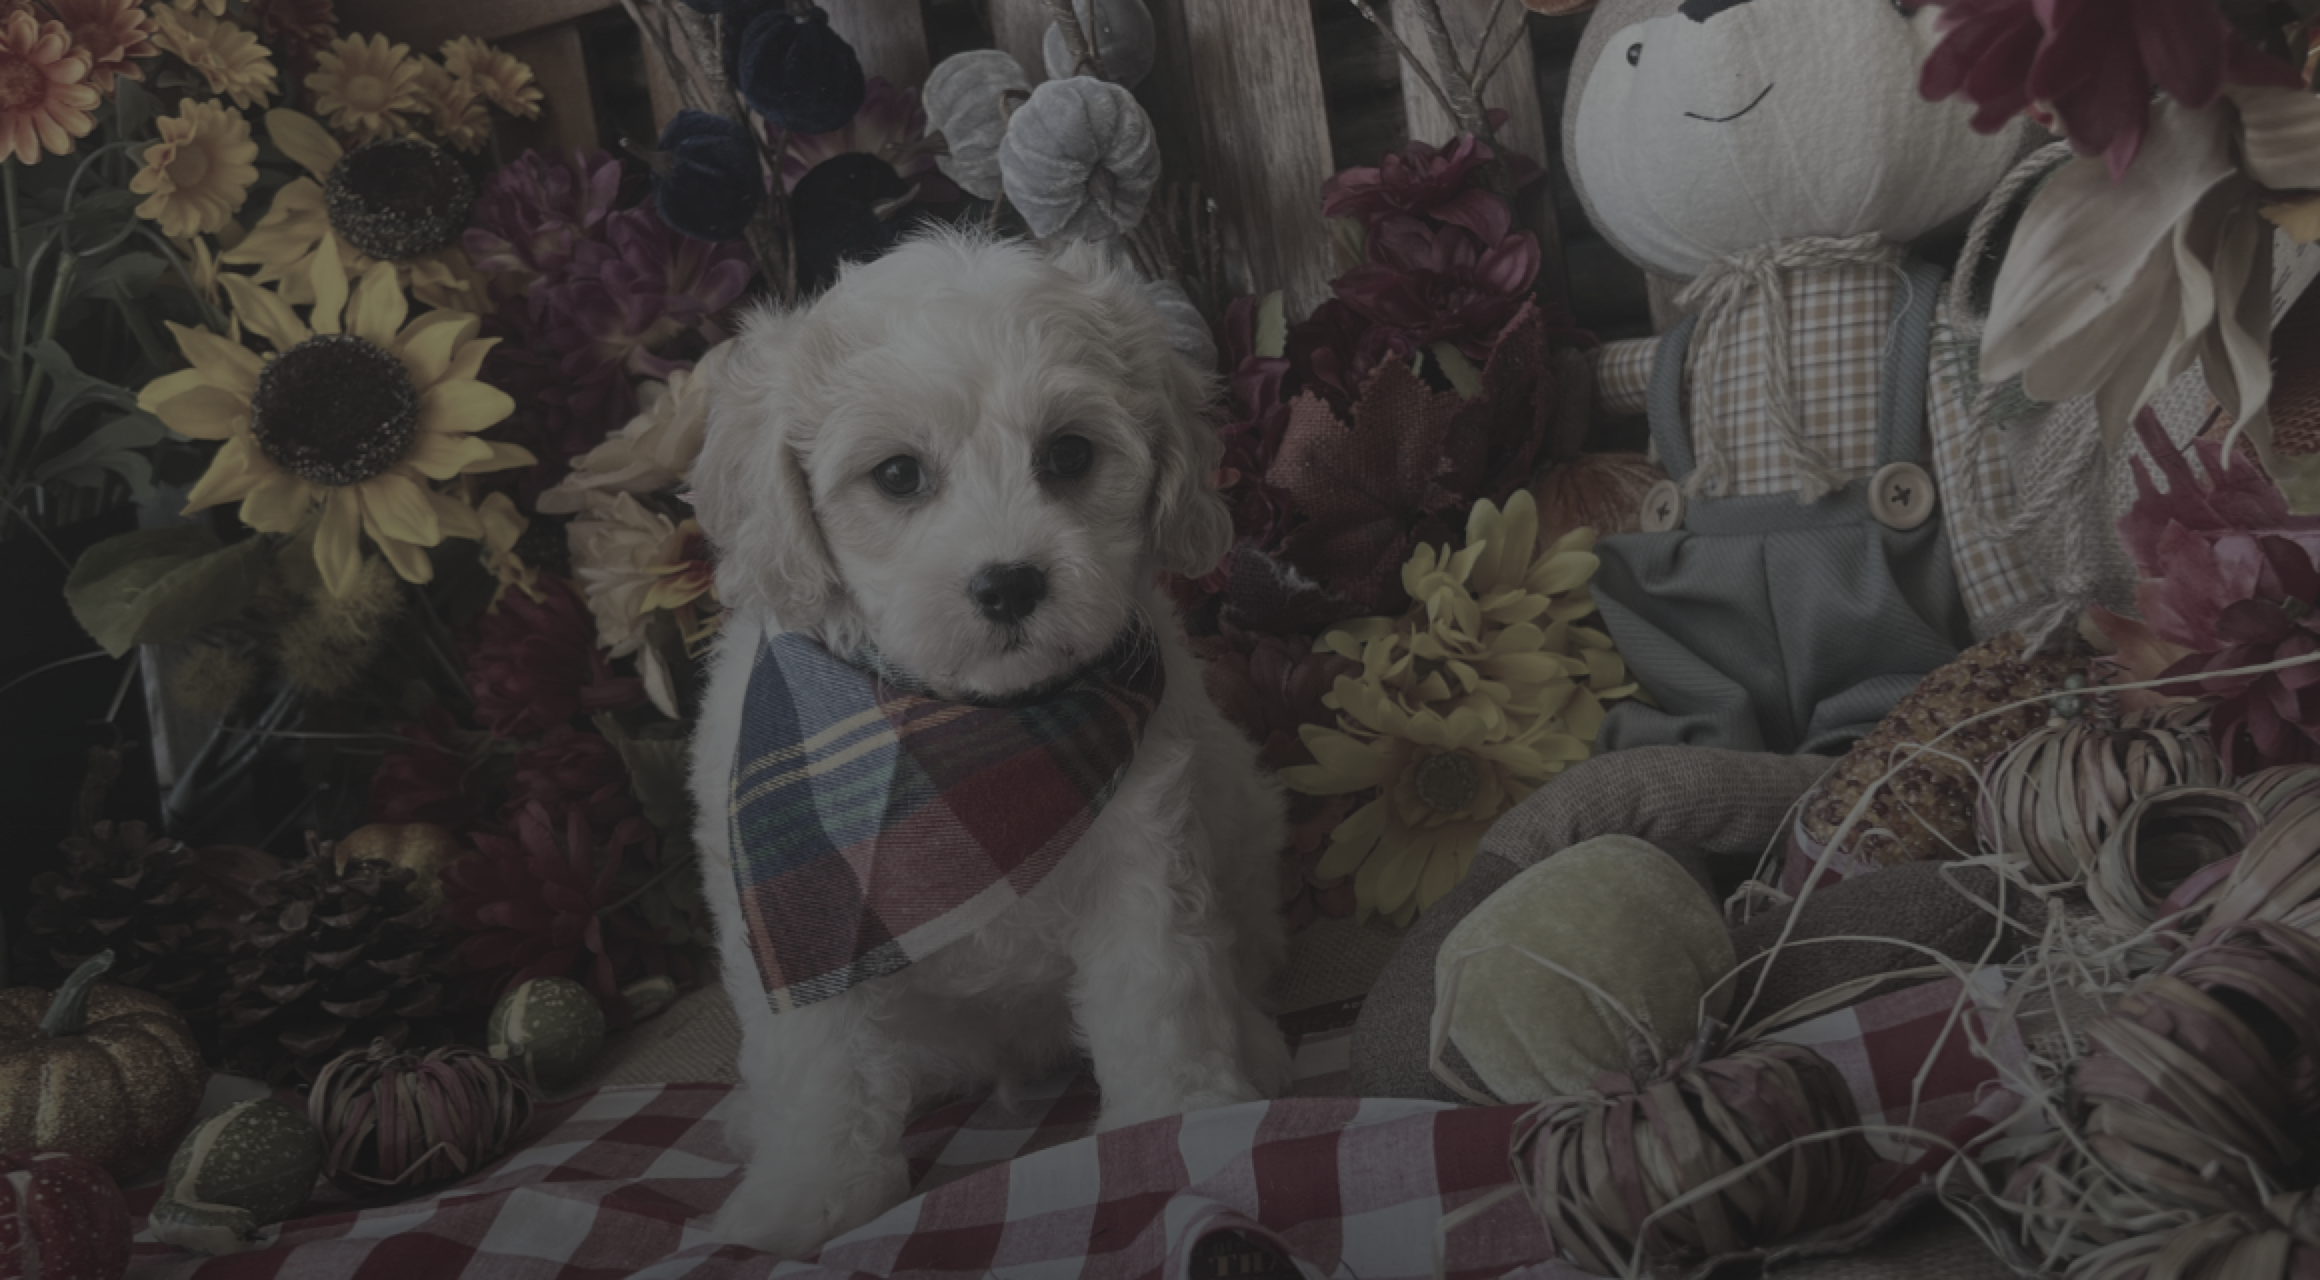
pixel 1615 911
pixel 251 1164
pixel 549 1029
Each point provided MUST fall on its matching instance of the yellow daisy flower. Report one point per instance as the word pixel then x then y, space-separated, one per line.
pixel 349 422
pixel 401 200
pixel 453 109
pixel 1487 686
pixel 200 172
pixel 45 97
pixel 497 75
pixel 231 59
pixel 365 84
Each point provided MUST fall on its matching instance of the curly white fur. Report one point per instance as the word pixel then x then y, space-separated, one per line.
pixel 1148 948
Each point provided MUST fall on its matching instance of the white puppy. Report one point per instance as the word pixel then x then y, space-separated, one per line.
pixel 976 458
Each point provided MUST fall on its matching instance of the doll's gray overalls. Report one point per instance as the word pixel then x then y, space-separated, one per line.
pixel 1765 624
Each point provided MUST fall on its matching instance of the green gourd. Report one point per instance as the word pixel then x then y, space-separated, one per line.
pixel 250 1164
pixel 549 1029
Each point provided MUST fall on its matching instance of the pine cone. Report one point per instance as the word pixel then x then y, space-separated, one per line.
pixel 330 961
pixel 147 898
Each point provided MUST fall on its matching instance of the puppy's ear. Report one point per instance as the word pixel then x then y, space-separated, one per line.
pixel 750 488
pixel 1191 529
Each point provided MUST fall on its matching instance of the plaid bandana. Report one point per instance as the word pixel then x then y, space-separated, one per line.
pixel 874 824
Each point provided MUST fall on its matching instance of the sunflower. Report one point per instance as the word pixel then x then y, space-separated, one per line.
pixel 113 33
pixel 45 97
pixel 365 84
pixel 231 59
pixel 200 172
pixel 352 418
pixel 497 75
pixel 1485 688
pixel 453 108
pixel 398 199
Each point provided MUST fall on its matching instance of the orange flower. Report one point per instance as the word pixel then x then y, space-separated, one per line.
pixel 45 96
pixel 113 33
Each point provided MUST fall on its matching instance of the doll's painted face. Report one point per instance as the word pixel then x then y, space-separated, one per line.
pixel 1734 123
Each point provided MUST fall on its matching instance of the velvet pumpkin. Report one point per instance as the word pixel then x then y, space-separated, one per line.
pixel 61 1218
pixel 101 1071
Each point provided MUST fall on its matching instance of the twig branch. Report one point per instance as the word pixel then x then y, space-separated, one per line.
pixel 1482 43
pixel 1409 56
pixel 1514 40
pixel 1464 102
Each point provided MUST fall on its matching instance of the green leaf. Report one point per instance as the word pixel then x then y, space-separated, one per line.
pixel 134 106
pixel 70 389
pixel 155 586
pixel 126 279
pixel 114 447
pixel 657 775
pixel 1272 327
pixel 1463 376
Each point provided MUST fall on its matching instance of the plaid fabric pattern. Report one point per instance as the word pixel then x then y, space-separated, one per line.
pixel 874 824
pixel 1837 385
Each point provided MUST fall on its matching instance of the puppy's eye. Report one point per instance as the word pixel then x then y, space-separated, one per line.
pixel 1635 53
pixel 899 476
pixel 1068 457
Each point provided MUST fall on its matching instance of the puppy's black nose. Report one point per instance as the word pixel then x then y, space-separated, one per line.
pixel 1007 593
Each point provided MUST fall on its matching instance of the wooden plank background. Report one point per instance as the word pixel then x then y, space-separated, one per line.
pixel 1258 100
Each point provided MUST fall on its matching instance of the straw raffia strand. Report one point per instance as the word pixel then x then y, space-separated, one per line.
pixel 2278 878
pixel 2182 1133
pixel 1711 1159
pixel 2273 789
pixel 396 1122
pixel 2056 795
pixel 2160 843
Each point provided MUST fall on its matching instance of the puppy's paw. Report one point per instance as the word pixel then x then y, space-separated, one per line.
pixel 791 1211
pixel 1265 1053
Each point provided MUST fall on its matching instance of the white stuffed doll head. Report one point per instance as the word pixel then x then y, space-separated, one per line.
pixel 1699 129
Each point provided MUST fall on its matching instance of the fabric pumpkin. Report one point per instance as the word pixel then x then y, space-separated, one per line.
pixel 1839 143
pixel 61 1218
pixel 1123 39
pixel 1079 160
pixel 1619 914
pixel 97 1070
pixel 966 101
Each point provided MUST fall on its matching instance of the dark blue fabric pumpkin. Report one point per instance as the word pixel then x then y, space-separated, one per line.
pixel 799 74
pixel 713 182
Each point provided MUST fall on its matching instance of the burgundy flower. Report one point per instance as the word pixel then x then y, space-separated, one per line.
pixel 561 412
pixel 2229 575
pixel 534 665
pixel 577 770
pixel 1441 284
pixel 534 211
pixel 629 297
pixel 1417 182
pixel 2093 63
pixel 431 780
pixel 544 897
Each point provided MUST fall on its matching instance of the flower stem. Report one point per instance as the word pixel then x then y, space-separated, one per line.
pixel 20 421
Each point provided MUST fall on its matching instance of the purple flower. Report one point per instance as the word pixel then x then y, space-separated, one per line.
pixel 559 415
pixel 628 296
pixel 1437 284
pixel 537 209
pixel 2093 63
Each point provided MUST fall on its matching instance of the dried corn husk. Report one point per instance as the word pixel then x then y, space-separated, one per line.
pixel 2161 841
pixel 1597 1167
pixel 2190 1111
pixel 397 1122
pixel 2056 795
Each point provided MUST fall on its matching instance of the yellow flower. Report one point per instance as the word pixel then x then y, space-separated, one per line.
pixel 432 195
pixel 45 97
pixel 631 561
pixel 453 108
pixel 200 172
pixel 350 421
pixel 503 528
pixel 217 8
pixel 1487 686
pixel 231 59
pixel 658 447
pixel 364 84
pixel 498 76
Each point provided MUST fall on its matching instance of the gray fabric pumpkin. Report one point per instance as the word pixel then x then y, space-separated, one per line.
pixel 1123 36
pixel 966 103
pixel 1079 160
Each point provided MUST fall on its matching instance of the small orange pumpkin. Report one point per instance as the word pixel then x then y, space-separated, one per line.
pixel 101 1071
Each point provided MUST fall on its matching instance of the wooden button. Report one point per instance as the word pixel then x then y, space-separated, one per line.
pixel 1901 496
pixel 1663 507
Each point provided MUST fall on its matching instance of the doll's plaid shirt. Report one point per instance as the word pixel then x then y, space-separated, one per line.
pixel 874 824
pixel 1837 330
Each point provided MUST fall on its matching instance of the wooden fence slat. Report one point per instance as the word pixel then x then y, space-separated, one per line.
pixel 560 64
pixel 1018 26
pixel 1265 137
pixel 426 24
pixel 889 36
pixel 1515 90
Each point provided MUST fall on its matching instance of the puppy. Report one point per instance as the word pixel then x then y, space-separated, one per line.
pixel 971 459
